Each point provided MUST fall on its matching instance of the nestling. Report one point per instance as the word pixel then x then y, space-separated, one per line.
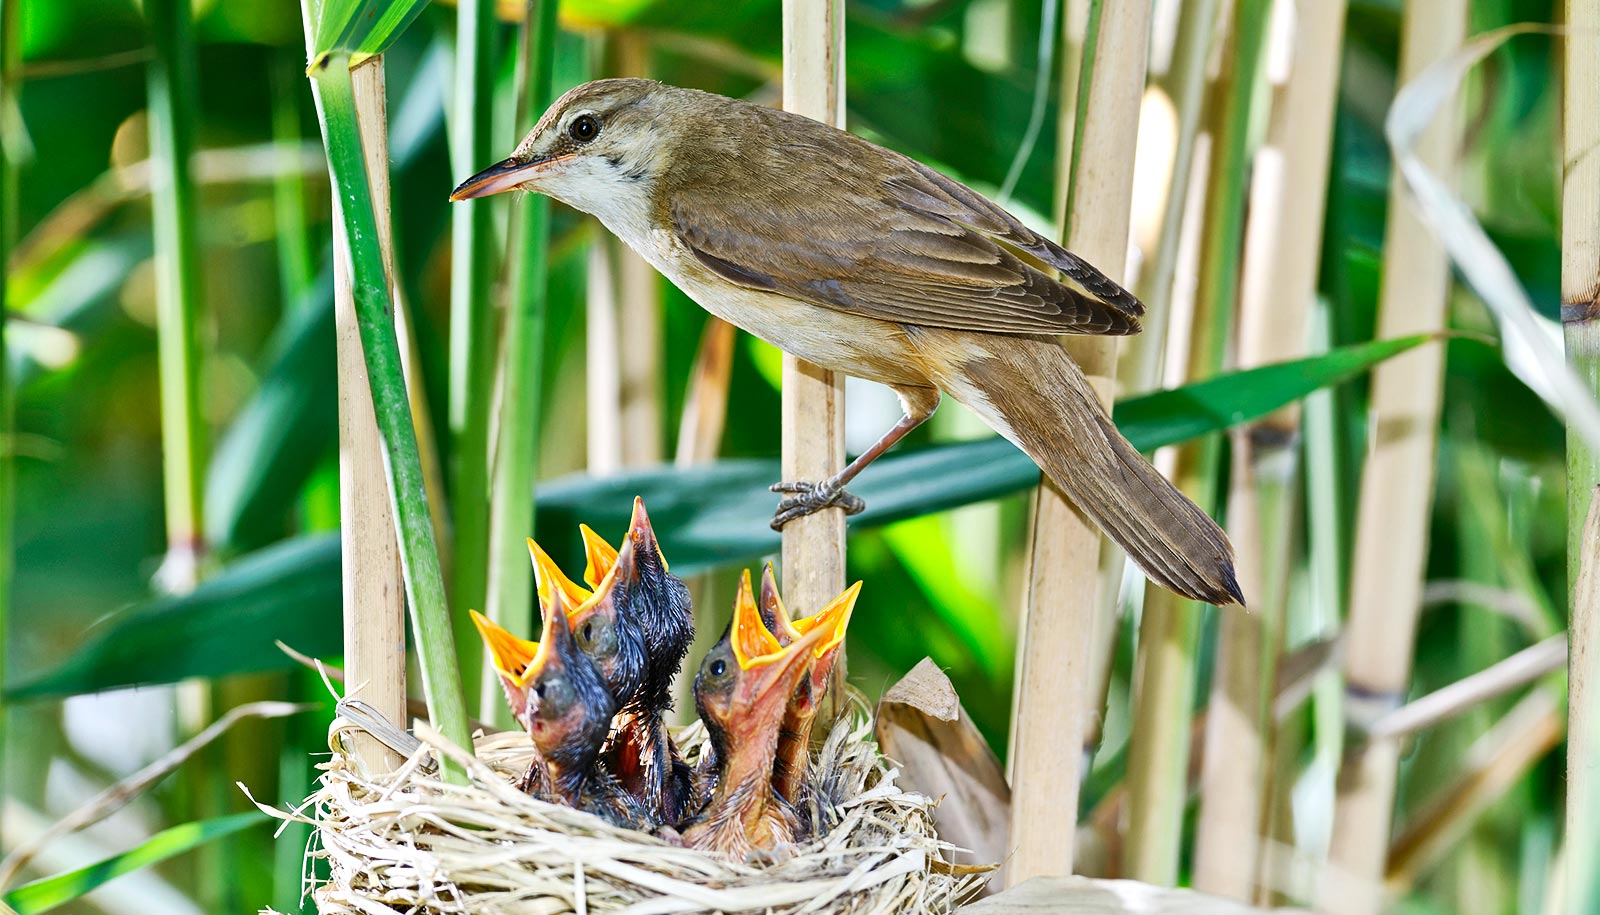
pixel 864 261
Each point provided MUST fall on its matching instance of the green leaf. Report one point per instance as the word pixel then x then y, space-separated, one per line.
pixel 707 517
pixel 361 28
pixel 51 892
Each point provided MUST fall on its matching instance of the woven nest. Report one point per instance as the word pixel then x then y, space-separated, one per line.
pixel 409 842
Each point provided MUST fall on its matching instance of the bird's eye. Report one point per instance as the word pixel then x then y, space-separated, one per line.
pixel 718 667
pixel 588 632
pixel 584 128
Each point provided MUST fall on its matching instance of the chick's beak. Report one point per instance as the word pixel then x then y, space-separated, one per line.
pixel 512 656
pixel 643 535
pixel 831 621
pixel 498 178
pixel 768 672
pixel 599 556
pixel 555 589
pixel 773 613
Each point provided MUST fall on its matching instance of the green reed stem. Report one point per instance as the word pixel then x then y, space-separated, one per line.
pixel 516 458
pixel 419 554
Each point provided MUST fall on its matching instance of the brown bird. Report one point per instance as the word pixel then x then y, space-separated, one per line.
pixel 794 735
pixel 741 692
pixel 864 261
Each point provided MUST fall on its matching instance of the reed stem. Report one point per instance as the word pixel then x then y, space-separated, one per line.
pixel 171 85
pixel 1283 243
pixel 472 320
pixel 813 397
pixel 441 679
pixel 516 456
pixel 1580 311
pixel 1164 666
pixel 1392 519
pixel 1065 597
pixel 10 59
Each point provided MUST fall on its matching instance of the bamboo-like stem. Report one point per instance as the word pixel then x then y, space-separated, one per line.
pixel 1053 685
pixel 472 320
pixel 1283 243
pixel 1580 312
pixel 1495 762
pixel 1184 83
pixel 516 454
pixel 349 162
pixel 1583 717
pixel 1397 481
pixel 172 99
pixel 813 398
pixel 1164 666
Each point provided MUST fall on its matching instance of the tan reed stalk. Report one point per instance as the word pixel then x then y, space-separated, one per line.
pixel 1283 242
pixel 1163 695
pixel 813 398
pixel 1580 314
pixel 1053 665
pixel 1397 482
pixel 624 338
pixel 374 589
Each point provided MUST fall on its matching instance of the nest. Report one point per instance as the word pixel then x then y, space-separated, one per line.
pixel 409 842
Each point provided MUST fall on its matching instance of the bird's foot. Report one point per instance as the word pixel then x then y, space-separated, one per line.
pixel 806 498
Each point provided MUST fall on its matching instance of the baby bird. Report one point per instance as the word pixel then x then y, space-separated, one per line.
pixel 643 625
pixel 794 735
pixel 511 657
pixel 741 692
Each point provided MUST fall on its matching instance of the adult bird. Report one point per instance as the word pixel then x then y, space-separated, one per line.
pixel 864 261
pixel 741 691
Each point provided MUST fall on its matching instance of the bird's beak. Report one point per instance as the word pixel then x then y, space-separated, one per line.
pixel 555 589
pixel 619 567
pixel 599 556
pixel 513 662
pixel 643 535
pixel 498 178
pixel 832 620
pixel 773 613
pixel 769 672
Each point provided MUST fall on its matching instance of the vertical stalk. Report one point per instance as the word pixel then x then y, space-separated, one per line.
pixel 295 268
pixel 1282 245
pixel 10 58
pixel 1053 685
pixel 1163 698
pixel 1580 313
pixel 171 86
pixel 1396 485
pixel 516 456
pixel 351 166
pixel 813 398
pixel 472 325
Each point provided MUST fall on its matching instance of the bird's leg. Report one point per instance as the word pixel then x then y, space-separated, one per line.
pixel 805 498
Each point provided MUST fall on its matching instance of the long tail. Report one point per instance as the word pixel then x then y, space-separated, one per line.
pixel 1032 392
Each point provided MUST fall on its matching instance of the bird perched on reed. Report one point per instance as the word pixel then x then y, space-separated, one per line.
pixel 567 710
pixel 794 734
pixel 864 261
pixel 635 622
pixel 741 692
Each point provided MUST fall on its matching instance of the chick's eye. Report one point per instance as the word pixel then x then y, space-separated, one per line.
pixel 718 667
pixel 584 128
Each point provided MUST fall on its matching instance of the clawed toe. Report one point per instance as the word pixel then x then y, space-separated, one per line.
pixel 808 498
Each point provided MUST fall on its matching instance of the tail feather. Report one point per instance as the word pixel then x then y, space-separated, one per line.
pixel 1032 392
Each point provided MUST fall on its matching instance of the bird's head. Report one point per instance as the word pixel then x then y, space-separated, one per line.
pixel 599 144
pixel 570 710
pixel 594 616
pixel 745 681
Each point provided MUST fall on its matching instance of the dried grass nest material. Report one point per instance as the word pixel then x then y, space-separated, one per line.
pixel 409 842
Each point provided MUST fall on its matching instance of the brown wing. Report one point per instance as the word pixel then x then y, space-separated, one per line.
pixel 889 238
